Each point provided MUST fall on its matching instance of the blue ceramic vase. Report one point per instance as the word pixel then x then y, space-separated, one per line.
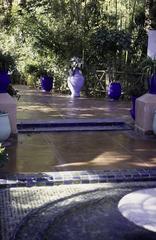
pixel 46 83
pixel 152 84
pixel 75 82
pixel 114 90
pixel 4 82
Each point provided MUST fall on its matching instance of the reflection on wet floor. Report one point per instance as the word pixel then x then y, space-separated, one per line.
pixel 80 151
pixel 37 105
pixel 76 150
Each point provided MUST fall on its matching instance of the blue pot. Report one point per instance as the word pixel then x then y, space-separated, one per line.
pixel 46 83
pixel 114 90
pixel 152 84
pixel 4 82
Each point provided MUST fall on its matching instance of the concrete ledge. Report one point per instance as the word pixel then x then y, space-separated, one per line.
pixel 145 108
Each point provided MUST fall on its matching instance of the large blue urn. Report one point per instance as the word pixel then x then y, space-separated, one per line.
pixel 152 84
pixel 46 83
pixel 114 90
pixel 4 81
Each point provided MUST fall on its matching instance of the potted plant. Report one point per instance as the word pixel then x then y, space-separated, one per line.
pixel 46 80
pixel 3 156
pixel 114 90
pixel 6 64
pixel 75 78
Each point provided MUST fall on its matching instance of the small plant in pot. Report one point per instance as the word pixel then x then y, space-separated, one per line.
pixel 46 80
pixel 3 156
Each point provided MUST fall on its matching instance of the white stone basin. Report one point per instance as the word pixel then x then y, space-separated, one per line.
pixel 140 208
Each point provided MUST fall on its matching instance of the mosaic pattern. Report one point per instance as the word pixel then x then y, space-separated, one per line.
pixel 70 212
pixel 76 177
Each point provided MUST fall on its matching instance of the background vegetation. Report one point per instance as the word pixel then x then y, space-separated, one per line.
pixel 106 34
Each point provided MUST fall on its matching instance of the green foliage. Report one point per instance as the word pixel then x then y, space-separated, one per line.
pixel 111 40
pixel 148 67
pixel 31 69
pixel 137 86
pixel 6 61
pixel 44 35
pixel 3 156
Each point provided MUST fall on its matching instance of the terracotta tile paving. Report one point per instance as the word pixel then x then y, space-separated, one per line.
pixel 77 150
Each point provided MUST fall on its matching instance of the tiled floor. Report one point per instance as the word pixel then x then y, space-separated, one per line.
pixel 70 212
pixel 77 150
pixel 38 105
pixel 80 151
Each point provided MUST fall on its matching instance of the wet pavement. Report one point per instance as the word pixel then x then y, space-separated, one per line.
pixel 66 151
pixel 80 151
pixel 38 105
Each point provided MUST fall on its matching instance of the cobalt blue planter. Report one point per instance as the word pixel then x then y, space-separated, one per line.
pixel 114 90
pixel 46 83
pixel 152 84
pixel 132 110
pixel 4 82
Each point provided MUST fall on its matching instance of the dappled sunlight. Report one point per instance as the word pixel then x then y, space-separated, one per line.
pixel 109 162
pixel 32 100
pixel 104 159
pixel 138 163
pixel 77 150
pixel 153 159
pixel 140 150
pixel 152 162
pixel 71 164
pixel 36 108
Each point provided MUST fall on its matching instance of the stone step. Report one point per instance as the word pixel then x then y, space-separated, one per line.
pixel 65 125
